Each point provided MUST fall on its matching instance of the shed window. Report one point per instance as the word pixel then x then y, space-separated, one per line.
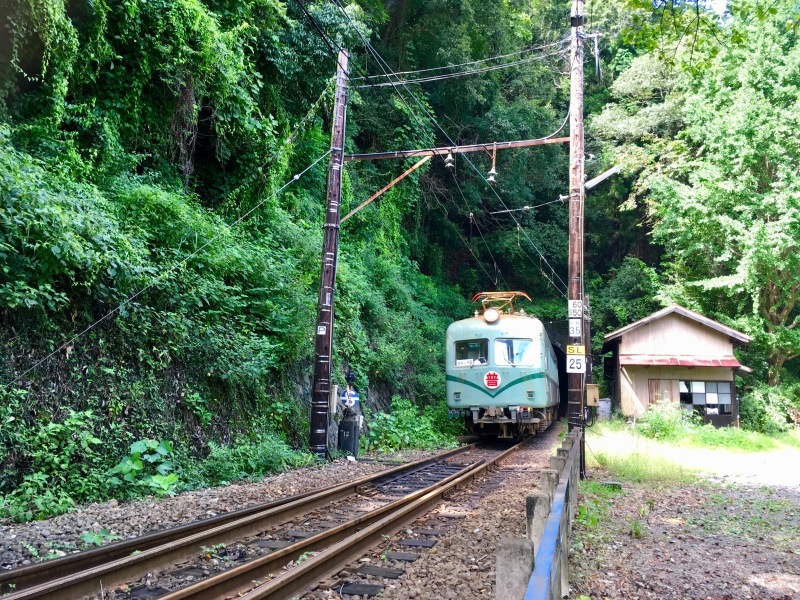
pixel 472 352
pixel 706 397
pixel 511 351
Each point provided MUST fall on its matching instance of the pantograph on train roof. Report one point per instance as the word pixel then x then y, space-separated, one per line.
pixel 499 300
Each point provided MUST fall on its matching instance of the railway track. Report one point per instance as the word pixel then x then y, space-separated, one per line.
pixel 326 522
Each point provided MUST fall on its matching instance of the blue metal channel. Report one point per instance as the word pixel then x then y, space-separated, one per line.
pixel 541 581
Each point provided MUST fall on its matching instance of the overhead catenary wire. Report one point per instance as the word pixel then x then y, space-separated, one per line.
pixel 465 64
pixel 387 71
pixel 336 54
pixel 480 232
pixel 384 66
pixel 526 208
pixel 443 76
pixel 466 244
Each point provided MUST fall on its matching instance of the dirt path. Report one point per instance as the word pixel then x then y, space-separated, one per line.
pixel 708 540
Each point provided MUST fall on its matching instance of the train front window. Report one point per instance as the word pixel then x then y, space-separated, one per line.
pixel 512 351
pixel 472 352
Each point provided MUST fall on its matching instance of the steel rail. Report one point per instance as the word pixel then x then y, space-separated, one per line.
pixel 83 573
pixel 241 578
pixel 25 577
pixel 366 532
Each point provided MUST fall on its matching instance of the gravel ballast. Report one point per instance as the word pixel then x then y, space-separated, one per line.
pixel 461 565
pixel 24 543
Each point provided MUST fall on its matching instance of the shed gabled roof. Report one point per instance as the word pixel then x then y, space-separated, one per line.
pixel 737 337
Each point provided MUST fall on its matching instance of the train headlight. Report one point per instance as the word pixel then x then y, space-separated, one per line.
pixel 491 315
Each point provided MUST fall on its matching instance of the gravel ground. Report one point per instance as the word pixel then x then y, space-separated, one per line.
pixel 462 563
pixel 22 544
pixel 709 541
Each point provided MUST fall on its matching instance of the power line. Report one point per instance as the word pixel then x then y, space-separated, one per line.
pixel 466 244
pixel 322 33
pixel 462 73
pixel 467 64
pixel 384 66
pixel 472 219
pixel 526 208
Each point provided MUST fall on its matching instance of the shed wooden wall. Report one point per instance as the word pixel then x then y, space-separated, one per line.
pixel 675 335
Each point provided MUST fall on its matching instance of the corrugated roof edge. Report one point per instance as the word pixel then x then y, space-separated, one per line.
pixel 736 336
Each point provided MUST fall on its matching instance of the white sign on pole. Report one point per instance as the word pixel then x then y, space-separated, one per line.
pixel 575 309
pixel 576 363
pixel 575 327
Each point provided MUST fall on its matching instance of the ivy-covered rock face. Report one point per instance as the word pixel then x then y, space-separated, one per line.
pixel 134 136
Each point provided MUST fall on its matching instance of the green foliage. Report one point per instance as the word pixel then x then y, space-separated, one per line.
pixel 766 409
pixel 439 417
pixel 640 467
pixel 666 421
pixel 199 408
pixel 595 504
pixel 629 295
pixel 403 428
pixel 250 457
pixel 149 466
pixel 35 499
pixel 133 133
pixel 99 538
pixel 61 456
pixel 764 413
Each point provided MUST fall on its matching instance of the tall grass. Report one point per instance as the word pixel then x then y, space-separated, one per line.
pixel 669 422
pixel 663 449
pixel 642 467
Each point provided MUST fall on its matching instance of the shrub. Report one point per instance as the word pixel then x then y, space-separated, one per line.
pixel 442 422
pixel 49 463
pixel 766 408
pixel 665 421
pixel 148 467
pixel 404 427
pixel 251 457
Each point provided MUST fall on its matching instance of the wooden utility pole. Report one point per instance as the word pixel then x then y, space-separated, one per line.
pixel 323 346
pixel 576 367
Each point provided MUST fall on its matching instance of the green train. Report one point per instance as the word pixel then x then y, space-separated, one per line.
pixel 502 373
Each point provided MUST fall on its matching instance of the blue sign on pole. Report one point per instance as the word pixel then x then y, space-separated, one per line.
pixel 349 398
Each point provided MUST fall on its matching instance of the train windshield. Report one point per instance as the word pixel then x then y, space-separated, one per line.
pixel 472 352
pixel 511 351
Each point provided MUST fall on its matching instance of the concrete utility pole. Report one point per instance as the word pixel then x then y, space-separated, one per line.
pixel 323 346
pixel 576 352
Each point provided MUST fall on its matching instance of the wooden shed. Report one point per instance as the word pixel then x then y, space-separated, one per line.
pixel 676 355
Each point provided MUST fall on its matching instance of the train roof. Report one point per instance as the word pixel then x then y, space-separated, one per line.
pixel 506 324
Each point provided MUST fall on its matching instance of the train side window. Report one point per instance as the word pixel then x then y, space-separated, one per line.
pixel 514 351
pixel 472 352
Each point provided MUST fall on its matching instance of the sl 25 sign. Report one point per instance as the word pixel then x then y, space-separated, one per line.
pixel 576 359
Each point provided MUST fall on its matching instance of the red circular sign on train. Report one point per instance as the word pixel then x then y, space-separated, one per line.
pixel 492 379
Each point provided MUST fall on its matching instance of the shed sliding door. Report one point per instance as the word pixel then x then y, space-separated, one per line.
pixel 662 390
